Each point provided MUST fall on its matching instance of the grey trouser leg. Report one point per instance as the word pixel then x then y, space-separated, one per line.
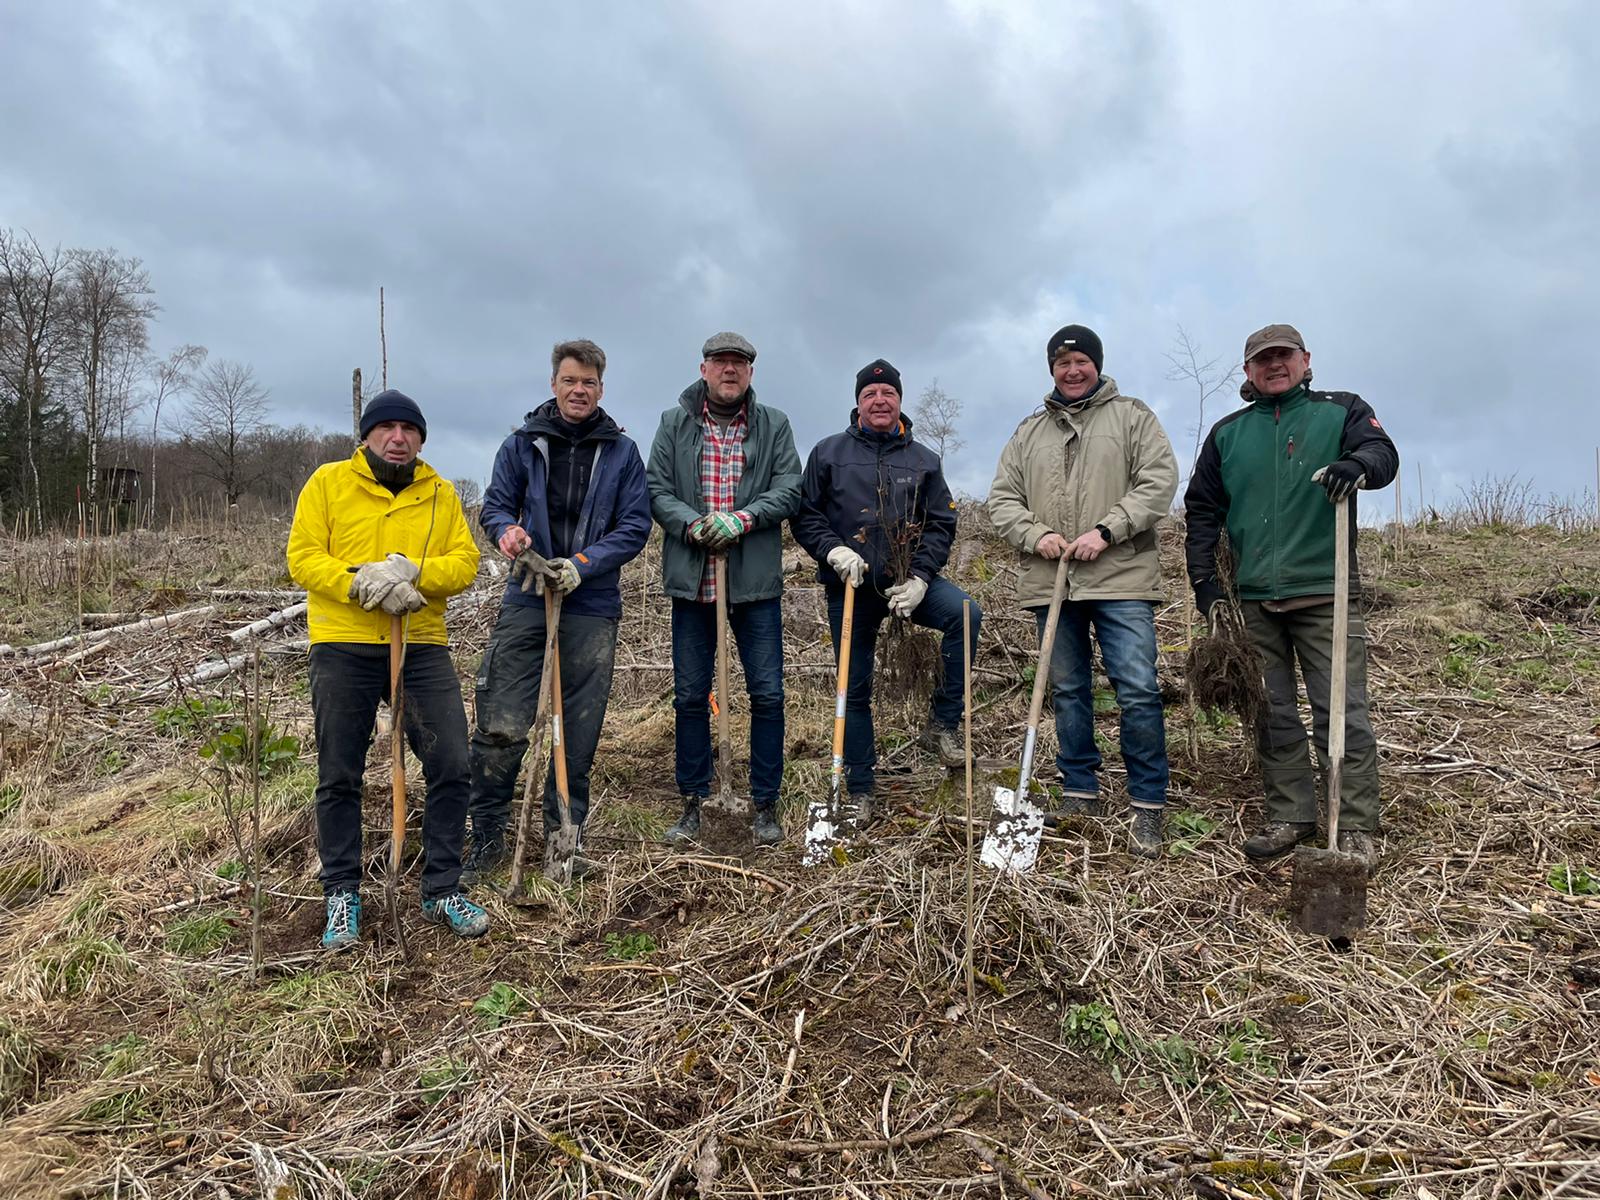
pixel 1306 636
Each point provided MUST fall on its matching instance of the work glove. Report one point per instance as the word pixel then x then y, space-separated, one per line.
pixel 852 568
pixel 401 599
pixel 1340 479
pixel 566 576
pixel 904 597
pixel 718 530
pixel 535 571
pixel 375 580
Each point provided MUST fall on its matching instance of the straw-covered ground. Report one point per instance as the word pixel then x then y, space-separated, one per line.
pixel 694 1025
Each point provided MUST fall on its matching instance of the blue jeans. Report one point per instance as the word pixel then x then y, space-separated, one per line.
pixel 940 610
pixel 758 632
pixel 347 682
pixel 508 700
pixel 1126 630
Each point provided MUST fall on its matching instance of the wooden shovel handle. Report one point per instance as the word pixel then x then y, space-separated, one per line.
pixel 552 624
pixel 397 749
pixel 846 627
pixel 1339 669
pixel 724 740
pixel 558 735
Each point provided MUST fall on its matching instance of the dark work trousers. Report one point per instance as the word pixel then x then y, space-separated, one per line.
pixel 347 683
pixel 1306 635
pixel 758 631
pixel 940 610
pixel 508 700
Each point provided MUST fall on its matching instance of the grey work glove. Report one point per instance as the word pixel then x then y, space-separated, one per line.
pixel 905 597
pixel 375 580
pixel 566 575
pixel 852 568
pixel 403 598
pixel 1340 479
pixel 535 570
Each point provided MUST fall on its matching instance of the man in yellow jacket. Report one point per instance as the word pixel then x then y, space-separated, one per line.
pixel 380 535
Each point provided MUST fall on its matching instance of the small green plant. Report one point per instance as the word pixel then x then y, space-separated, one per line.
pixel 441 1077
pixel 1190 828
pixel 231 746
pixel 121 1055
pixel 188 716
pixel 198 935
pixel 10 800
pixel 1094 1027
pixel 1176 1057
pixel 1216 720
pixel 1245 1046
pixel 500 1004
pixel 630 945
pixel 73 967
pixel 232 869
pixel 1571 880
pixel 19 1063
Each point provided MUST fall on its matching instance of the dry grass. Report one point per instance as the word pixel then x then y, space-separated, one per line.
pixel 689 1025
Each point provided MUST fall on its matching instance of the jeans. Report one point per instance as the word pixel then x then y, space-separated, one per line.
pixel 758 630
pixel 1126 630
pixel 508 701
pixel 940 610
pixel 1306 634
pixel 347 682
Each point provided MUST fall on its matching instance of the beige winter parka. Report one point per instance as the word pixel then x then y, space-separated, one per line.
pixel 1102 461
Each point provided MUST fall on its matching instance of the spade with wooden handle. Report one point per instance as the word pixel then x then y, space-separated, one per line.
pixel 515 890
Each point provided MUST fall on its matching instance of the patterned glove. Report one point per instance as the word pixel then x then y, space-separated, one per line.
pixel 403 598
pixel 905 597
pixel 1340 479
pixel 721 529
pixel 566 576
pixel 852 568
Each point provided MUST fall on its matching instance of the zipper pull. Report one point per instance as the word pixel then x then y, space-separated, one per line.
pixel 1291 447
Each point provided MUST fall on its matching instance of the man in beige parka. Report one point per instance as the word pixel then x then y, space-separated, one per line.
pixel 1087 477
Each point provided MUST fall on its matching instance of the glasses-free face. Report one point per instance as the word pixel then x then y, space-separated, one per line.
pixel 577 389
pixel 398 442
pixel 878 407
pixel 1075 374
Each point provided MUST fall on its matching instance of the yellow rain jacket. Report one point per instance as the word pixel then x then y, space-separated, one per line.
pixel 345 517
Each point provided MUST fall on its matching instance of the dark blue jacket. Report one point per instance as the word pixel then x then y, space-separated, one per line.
pixel 614 521
pixel 881 494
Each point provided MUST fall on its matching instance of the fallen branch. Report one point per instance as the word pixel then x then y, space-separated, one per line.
pixel 147 625
pixel 268 623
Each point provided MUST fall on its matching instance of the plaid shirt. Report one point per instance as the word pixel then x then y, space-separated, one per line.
pixel 721 468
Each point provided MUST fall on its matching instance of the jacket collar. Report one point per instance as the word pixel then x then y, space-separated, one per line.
pixel 546 422
pixel 358 463
pixel 693 400
pixel 895 437
pixel 1059 407
pixel 1249 393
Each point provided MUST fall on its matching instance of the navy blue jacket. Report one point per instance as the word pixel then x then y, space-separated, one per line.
pixel 614 521
pixel 881 494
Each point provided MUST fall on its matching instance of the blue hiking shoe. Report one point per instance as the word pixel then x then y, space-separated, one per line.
pixel 464 917
pixel 344 921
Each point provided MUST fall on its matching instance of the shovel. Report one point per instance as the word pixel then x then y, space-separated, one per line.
pixel 822 816
pixel 515 891
pixel 1328 895
pixel 1012 843
pixel 561 844
pixel 397 773
pixel 725 819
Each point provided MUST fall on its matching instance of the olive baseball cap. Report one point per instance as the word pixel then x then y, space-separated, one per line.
pixel 727 343
pixel 1270 337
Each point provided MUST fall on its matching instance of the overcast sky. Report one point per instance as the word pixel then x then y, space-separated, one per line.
pixel 1413 184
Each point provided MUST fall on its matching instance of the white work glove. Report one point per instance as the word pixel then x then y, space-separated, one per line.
pixel 403 598
pixel 904 597
pixel 567 578
pixel 852 568
pixel 1340 479
pixel 375 580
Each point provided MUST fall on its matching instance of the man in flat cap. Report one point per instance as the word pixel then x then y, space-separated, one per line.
pixel 567 503
pixel 875 511
pixel 377 536
pixel 1086 477
pixel 723 477
pixel 1266 474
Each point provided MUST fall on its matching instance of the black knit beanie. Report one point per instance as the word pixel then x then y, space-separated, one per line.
pixel 1075 337
pixel 878 371
pixel 392 405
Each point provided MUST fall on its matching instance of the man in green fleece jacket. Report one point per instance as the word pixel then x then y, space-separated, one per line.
pixel 1266 474
pixel 723 477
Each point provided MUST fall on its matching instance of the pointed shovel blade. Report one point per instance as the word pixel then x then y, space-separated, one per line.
pixel 1012 843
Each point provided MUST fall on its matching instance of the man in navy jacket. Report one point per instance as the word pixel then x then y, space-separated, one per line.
pixel 569 485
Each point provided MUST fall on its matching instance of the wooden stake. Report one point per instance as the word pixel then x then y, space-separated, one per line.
pixel 383 341
pixel 966 658
pixel 256 720
pixel 355 404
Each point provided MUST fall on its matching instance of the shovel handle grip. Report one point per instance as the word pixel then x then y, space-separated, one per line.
pixel 397 746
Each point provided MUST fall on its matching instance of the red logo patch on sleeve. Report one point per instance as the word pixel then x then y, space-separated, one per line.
pixel 1374 421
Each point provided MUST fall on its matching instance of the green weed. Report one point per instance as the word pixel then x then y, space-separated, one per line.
pixel 188 716
pixel 198 935
pixel 441 1077
pixel 1572 880
pixel 629 946
pixel 19 1064
pixel 1094 1027
pixel 500 1004
pixel 1192 828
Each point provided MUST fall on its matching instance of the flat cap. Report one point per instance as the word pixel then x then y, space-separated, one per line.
pixel 727 343
pixel 1270 337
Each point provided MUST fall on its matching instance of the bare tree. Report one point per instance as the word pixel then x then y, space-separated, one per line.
pixel 937 415
pixel 38 335
pixel 227 406
pixel 469 492
pixel 111 308
pixel 1188 364
pixel 172 376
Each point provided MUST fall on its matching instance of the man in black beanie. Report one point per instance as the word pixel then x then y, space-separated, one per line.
pixel 377 536
pixel 875 512
pixel 1086 477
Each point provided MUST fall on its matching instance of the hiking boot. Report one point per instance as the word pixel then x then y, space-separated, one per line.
pixel 343 929
pixel 1144 836
pixel 859 812
pixel 489 852
pixel 464 917
pixel 764 827
pixel 1075 804
pixel 943 743
pixel 687 828
pixel 1360 844
pixel 1278 837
